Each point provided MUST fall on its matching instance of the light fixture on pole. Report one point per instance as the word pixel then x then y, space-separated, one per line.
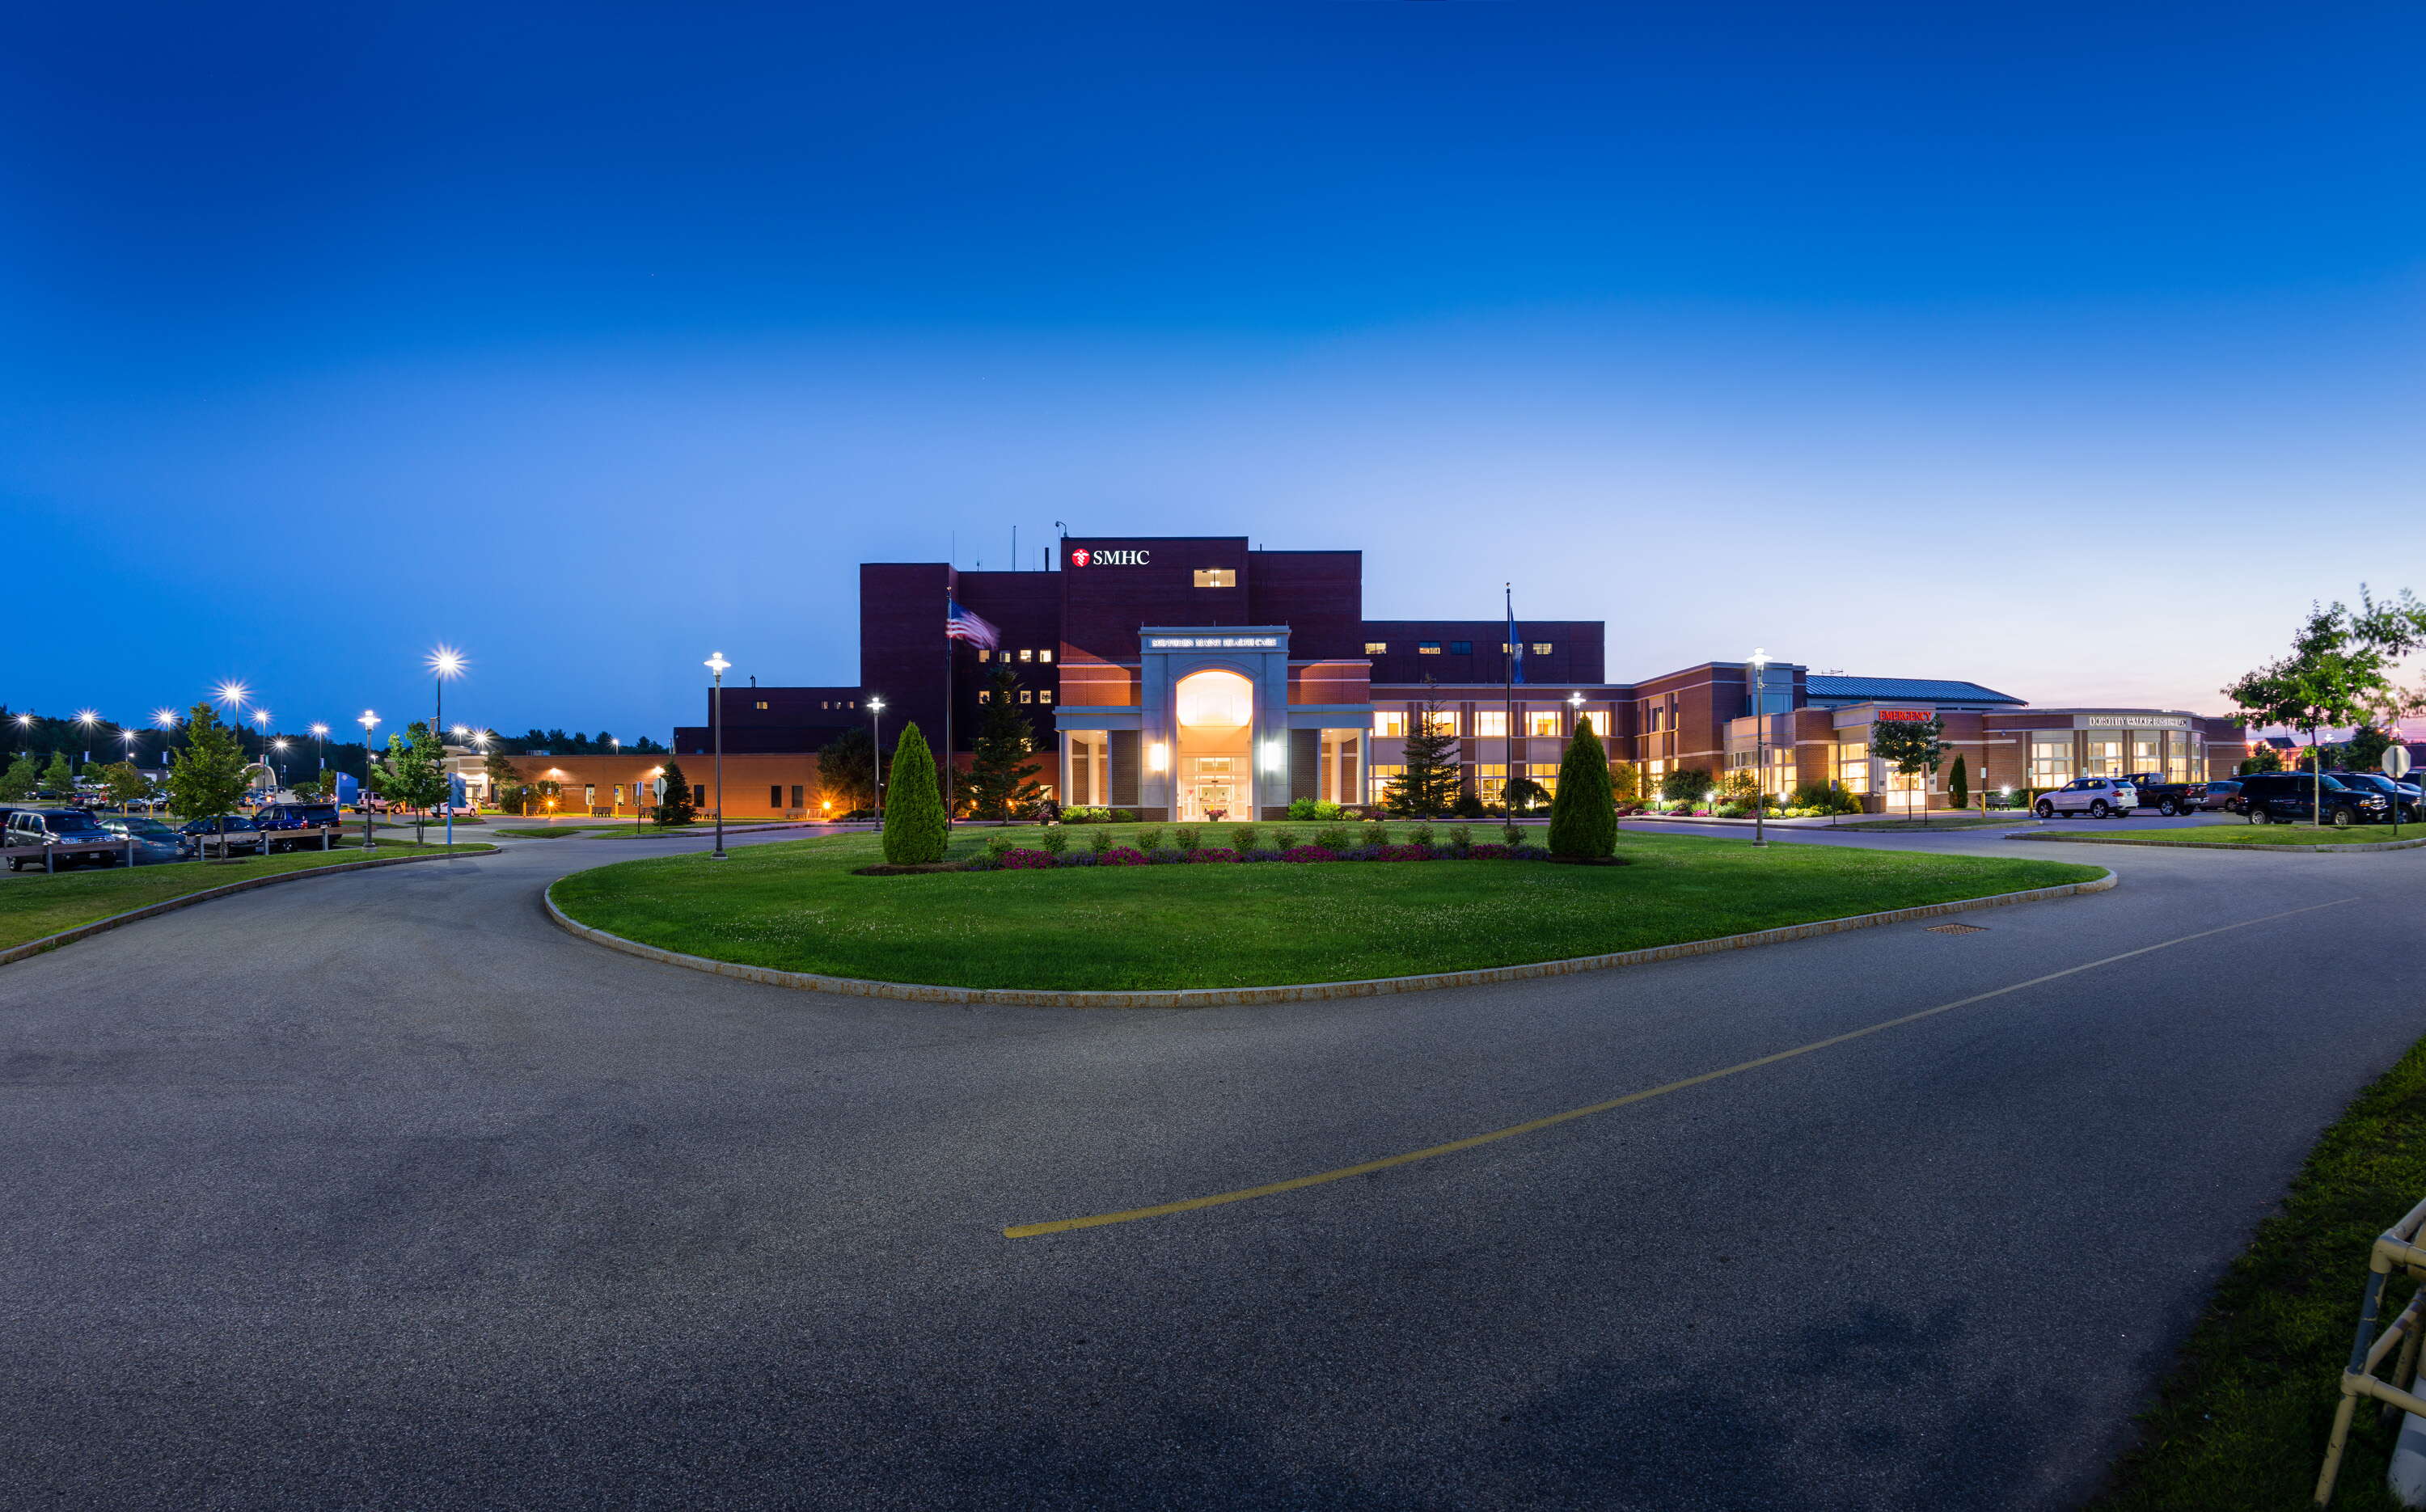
pixel 1759 744
pixel 717 665
pixel 320 733
pixel 876 739
pixel 86 719
pixel 369 722
pixel 231 692
pixel 278 775
pixel 445 662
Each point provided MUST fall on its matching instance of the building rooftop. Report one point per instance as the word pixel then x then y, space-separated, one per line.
pixel 1821 689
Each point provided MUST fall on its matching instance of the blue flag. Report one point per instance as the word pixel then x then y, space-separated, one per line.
pixel 1515 646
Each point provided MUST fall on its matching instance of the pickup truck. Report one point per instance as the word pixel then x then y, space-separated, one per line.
pixel 2168 798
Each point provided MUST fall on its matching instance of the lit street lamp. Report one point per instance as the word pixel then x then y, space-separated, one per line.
pixel 369 722
pixel 876 738
pixel 278 775
pixel 87 718
pixel 320 733
pixel 445 662
pixel 717 665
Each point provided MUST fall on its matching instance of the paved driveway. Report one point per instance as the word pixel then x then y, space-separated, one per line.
pixel 379 1191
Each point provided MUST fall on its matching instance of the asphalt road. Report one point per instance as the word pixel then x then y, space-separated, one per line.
pixel 378 1191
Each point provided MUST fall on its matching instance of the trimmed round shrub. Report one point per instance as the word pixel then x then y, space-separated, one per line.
pixel 1309 853
pixel 1021 859
pixel 1121 855
pixel 1057 840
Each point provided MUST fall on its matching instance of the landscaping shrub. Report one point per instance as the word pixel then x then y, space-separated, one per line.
pixel 1420 835
pixel 1019 859
pixel 1186 836
pixel 1123 816
pixel 1374 834
pixel 1100 842
pixel 1729 811
pixel 1244 837
pixel 996 845
pixel 1685 784
pixel 1309 853
pixel 1313 809
pixel 1468 804
pixel 915 827
pixel 1057 840
pixel 1121 855
pixel 1461 837
pixel 1086 816
pixel 1334 838
pixel 1583 814
pixel 1283 838
pixel 1148 839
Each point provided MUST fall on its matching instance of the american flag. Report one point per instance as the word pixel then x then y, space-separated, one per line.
pixel 967 625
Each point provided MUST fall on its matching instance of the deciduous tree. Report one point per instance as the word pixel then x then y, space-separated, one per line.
pixel 207 778
pixel 413 773
pixel 1910 747
pixel 22 778
pixel 847 770
pixel 2339 672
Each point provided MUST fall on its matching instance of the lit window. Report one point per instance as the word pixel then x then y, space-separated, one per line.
pixel 984 654
pixel 1444 722
pixel 1505 648
pixel 1853 765
pixel 1392 723
pixel 1461 647
pixel 1541 648
pixel 985 696
pixel 1216 577
pixel 1045 696
pixel 1025 696
pixel 1026 655
pixel 1491 724
pixel 1542 722
pixel 762 704
pixel 1377 648
pixel 1428 648
pixel 1044 656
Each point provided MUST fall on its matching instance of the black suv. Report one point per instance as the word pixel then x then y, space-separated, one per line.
pixel 272 817
pixel 2404 794
pixel 2292 798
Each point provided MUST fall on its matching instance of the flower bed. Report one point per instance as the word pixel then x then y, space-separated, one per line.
pixel 1028 859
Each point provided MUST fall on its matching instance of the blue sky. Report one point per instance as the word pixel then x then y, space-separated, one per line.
pixel 2068 350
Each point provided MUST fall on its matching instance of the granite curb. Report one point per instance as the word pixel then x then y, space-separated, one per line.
pixel 2076 838
pixel 1302 992
pixel 69 937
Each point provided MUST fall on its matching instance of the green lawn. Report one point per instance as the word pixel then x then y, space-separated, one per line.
pixel 33 906
pixel 797 907
pixel 2243 834
pixel 2242 1422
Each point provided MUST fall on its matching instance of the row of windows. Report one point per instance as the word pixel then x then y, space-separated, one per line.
pixel 1454 647
pixel 775 796
pixel 822 703
pixel 1489 724
pixel 1024 654
pixel 1026 696
pixel 1216 577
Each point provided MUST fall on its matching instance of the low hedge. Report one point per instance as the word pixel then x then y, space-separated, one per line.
pixel 1024 859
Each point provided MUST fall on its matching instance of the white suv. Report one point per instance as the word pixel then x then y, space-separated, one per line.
pixel 2095 797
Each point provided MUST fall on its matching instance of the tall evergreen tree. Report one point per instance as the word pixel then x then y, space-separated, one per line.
pixel 677 807
pixel 1427 784
pixel 999 783
pixel 207 779
pixel 915 827
pixel 1583 813
pixel 1958 784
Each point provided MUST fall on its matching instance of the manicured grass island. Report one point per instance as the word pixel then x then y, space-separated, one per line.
pixel 32 905
pixel 799 907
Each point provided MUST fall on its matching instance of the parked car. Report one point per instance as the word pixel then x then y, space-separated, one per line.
pixel 2095 797
pixel 2293 797
pixel 227 834
pixel 278 817
pixel 2404 794
pixel 69 835
pixel 2168 798
pixel 153 841
pixel 2221 794
pixel 370 803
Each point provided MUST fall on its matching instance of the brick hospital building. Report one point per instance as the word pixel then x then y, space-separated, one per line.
pixel 1183 677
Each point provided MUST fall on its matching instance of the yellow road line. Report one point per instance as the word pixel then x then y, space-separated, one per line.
pixel 1031 1230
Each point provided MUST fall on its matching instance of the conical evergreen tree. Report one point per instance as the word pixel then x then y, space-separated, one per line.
pixel 1583 813
pixel 914 828
pixel 677 806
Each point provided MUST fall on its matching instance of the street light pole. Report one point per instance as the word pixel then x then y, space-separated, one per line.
pixel 369 722
pixel 717 664
pixel 1760 745
pixel 876 739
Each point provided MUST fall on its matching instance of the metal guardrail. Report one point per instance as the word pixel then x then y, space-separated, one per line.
pixel 267 839
pixel 2396 1249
